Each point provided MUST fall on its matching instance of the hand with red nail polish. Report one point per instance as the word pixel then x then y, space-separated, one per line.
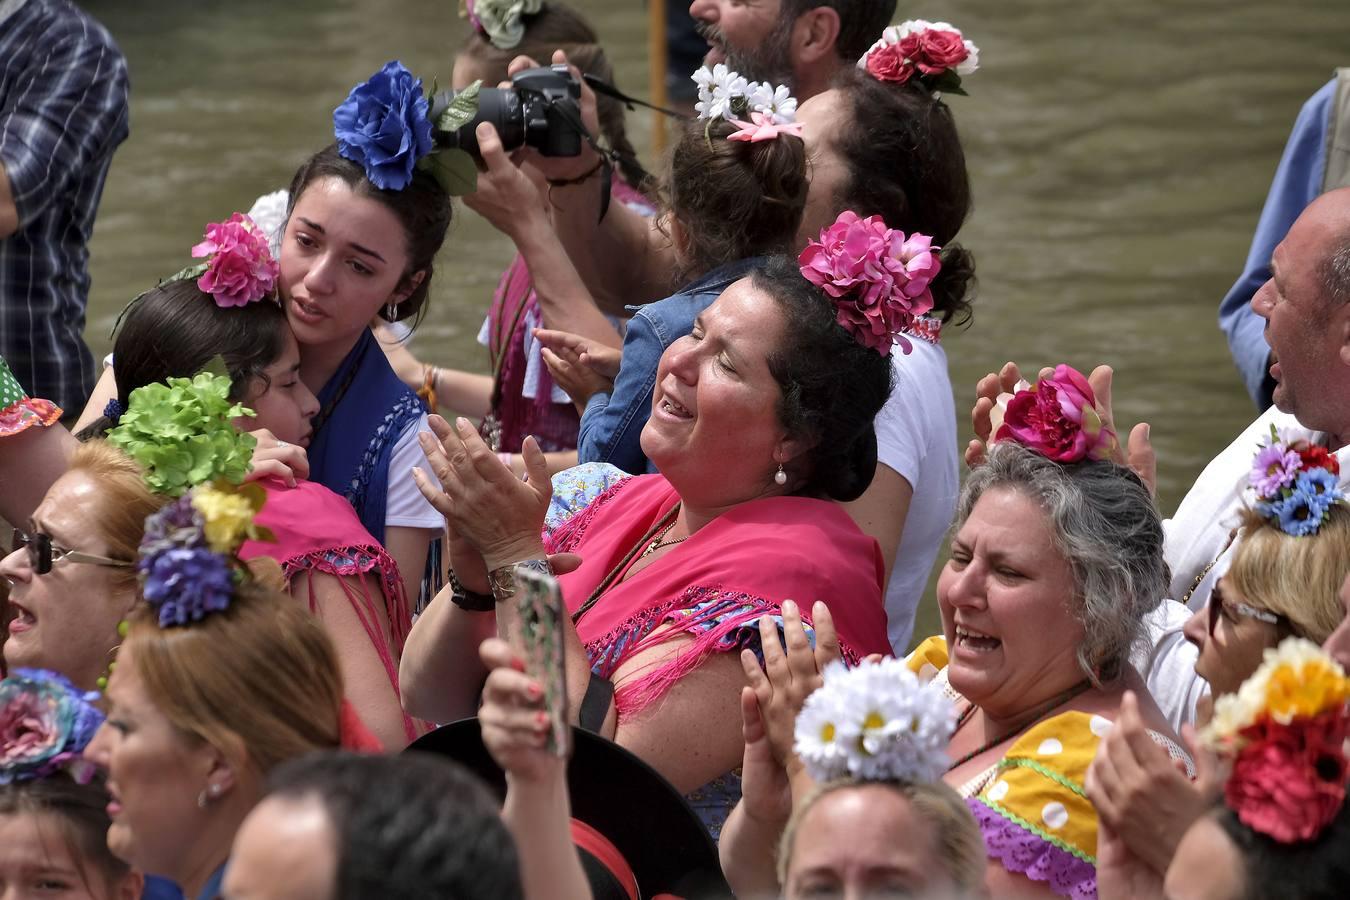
pixel 515 724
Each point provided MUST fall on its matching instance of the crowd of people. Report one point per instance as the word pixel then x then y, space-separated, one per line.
pixel 277 628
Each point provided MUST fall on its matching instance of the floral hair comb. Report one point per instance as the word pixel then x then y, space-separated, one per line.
pixel 878 278
pixel 500 21
pixel 45 724
pixel 878 722
pixel 1285 729
pixel 189 555
pixel 724 94
pixel 1057 417
pixel 934 52
pixel 388 127
pixel 182 433
pixel 1296 484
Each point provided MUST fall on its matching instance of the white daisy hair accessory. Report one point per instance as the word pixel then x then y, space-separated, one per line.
pixel 876 722
pixel 760 110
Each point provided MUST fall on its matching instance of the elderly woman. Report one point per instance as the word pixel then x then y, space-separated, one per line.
pixel 1284 579
pixel 218 680
pixel 71 573
pixel 760 418
pixel 1055 560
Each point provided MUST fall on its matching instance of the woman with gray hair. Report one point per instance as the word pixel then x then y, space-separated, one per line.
pixel 1055 560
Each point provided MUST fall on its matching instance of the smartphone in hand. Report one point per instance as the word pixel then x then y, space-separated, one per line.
pixel 542 617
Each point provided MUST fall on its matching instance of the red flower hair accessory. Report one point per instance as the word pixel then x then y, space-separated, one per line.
pixel 1057 417
pixel 934 52
pixel 239 268
pixel 879 278
pixel 1285 729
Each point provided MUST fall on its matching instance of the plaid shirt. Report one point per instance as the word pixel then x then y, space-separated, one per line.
pixel 63 111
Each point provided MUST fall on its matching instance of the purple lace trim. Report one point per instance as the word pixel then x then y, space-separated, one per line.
pixel 1027 853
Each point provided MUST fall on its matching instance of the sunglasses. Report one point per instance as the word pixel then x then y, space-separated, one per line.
pixel 43 554
pixel 1217 606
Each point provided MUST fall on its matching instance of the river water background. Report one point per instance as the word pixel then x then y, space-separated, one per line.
pixel 1119 154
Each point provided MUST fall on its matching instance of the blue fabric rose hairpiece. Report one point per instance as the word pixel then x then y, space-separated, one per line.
pixel 45 724
pixel 388 127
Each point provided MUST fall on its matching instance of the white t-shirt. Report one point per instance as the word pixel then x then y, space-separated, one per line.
pixel 1195 539
pixel 405 506
pixel 916 437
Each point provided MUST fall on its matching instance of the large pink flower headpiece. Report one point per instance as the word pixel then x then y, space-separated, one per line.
pixel 1057 417
pixel 239 267
pixel 934 52
pixel 879 278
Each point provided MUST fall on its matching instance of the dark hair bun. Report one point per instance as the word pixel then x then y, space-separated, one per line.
pixel 833 387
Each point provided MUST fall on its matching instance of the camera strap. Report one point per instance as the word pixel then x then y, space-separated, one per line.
pixel 600 86
pixel 605 166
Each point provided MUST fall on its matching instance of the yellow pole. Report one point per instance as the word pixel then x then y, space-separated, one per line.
pixel 656 71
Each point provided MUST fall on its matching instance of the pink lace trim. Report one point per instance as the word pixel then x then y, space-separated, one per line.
pixel 345 562
pixel 566 536
pixel 715 616
pixel 1027 853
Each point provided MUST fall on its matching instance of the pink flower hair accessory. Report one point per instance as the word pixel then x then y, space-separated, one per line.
pixel 1057 417
pixel 934 52
pixel 239 268
pixel 762 127
pixel 878 277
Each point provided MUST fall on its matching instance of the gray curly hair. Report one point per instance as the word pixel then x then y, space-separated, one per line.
pixel 1107 527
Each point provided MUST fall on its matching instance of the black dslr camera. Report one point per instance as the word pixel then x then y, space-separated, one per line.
pixel 541 109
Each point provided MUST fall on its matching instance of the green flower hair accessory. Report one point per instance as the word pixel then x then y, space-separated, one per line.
pixel 500 21
pixel 182 433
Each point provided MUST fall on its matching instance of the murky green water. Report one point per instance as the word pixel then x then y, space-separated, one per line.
pixel 1119 152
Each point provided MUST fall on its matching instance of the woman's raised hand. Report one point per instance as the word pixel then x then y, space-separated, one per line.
pixel 277 459
pixel 576 364
pixel 790 676
pixel 506 196
pixel 513 719
pixel 1141 794
pixel 482 501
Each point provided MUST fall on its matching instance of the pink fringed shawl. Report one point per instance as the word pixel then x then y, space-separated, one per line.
pixel 740 566
pixel 316 530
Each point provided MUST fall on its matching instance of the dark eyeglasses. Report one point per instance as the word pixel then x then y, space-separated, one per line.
pixel 1218 605
pixel 43 554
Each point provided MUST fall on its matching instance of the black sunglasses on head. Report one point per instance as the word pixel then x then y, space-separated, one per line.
pixel 43 554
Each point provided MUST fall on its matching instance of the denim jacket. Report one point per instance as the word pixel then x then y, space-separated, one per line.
pixel 612 424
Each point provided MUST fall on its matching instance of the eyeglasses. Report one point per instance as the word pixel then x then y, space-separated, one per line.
pixel 43 554
pixel 1218 605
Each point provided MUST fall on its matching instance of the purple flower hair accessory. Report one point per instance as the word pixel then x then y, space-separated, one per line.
pixel 184 580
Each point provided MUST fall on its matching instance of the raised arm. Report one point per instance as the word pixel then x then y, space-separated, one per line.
pixel 624 259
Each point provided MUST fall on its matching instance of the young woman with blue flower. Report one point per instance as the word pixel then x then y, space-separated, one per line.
pixel 53 803
pixel 364 225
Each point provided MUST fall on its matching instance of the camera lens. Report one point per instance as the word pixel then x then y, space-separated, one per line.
pixel 500 107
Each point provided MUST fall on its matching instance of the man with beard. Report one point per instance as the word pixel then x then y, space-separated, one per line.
pixel 800 43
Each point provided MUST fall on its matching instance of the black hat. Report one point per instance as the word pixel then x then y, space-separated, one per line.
pixel 618 795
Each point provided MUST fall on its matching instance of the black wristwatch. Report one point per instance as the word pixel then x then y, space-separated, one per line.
pixel 503 579
pixel 470 600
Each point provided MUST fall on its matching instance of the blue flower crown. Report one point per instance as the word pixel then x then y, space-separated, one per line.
pixel 1296 484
